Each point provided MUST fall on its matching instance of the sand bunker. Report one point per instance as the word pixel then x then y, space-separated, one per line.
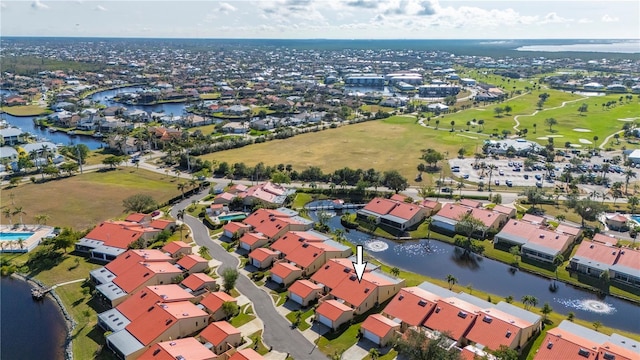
pixel 584 141
pixel 581 130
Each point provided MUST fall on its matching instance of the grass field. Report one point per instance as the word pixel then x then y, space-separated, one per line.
pixel 82 201
pixel 26 110
pixel 393 143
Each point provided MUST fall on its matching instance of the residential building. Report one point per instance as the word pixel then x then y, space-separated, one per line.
pixel 252 241
pixel 12 136
pixel 438 90
pixel 410 307
pixel 627 268
pixel 379 329
pixel 593 258
pixel 333 313
pixel 450 214
pixel 124 262
pixel 233 229
pixel 396 214
pixel 176 249
pixel 246 354
pixel 374 289
pixel 304 292
pixel 263 258
pixel 535 241
pixel 198 283
pixel 212 304
pixel 193 263
pixel 453 316
pixel 184 349
pixel 220 337
pixel 284 273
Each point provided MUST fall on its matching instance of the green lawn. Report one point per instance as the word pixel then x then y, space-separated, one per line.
pixel 337 342
pixel 245 316
pixel 210 96
pixel 24 110
pixel 258 345
pixel 304 325
pixel 301 199
pixel 89 198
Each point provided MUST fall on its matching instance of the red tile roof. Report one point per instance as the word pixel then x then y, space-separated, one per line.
pixel 488 217
pixel 233 226
pixel 214 301
pixel 380 206
pixel 288 243
pixel 157 319
pixel 175 246
pixel 597 252
pixel 161 224
pixel 131 257
pixel 332 309
pixel 136 217
pixel 405 211
pixel 354 292
pixel 470 203
pixel 140 273
pixel 379 325
pixel 283 269
pixel 261 254
pixel 453 316
pixel 305 255
pixel 536 220
pixel 115 235
pixel 568 229
pixel 492 329
pixel 191 260
pixel 453 211
pixel 332 273
pixel 560 344
pixel 504 209
pixel 246 354
pixel 197 281
pixel 250 238
pixel 620 353
pixel 398 197
pixel 217 332
pixel 148 296
pixel 605 239
pixel 188 348
pixel 304 288
pixel 411 305
pixel 629 258
pixel 272 227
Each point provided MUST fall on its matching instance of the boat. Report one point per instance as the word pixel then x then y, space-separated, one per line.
pixel 98 135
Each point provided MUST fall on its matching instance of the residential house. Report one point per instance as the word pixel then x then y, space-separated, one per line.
pixel 252 241
pixel 304 292
pixel 616 222
pixel 267 193
pixel 453 316
pixel 161 322
pixel 212 304
pixel 263 258
pixel 509 212
pixel 535 241
pixel 410 307
pixel 374 288
pixel 119 317
pixel 627 267
pixel 284 273
pixel 246 354
pixel 396 214
pixel 198 283
pixel 333 314
pixel 605 239
pixel 133 279
pixel 593 258
pixel 220 336
pixel 112 238
pixel 12 136
pixel 193 264
pixel 184 349
pixel 177 249
pixel 124 262
pixel 494 328
pixel 379 329
pixel 235 229
pixel 450 214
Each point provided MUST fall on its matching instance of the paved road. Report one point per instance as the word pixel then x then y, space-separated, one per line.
pixel 277 331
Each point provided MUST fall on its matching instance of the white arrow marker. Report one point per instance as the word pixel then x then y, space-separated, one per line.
pixel 359 265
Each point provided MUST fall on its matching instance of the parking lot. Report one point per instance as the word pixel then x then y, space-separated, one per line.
pixel 512 171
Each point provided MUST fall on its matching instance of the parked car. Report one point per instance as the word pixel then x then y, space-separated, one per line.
pixel 538 177
pixel 465 176
pixel 501 172
pixel 539 184
pixel 509 183
pixel 526 176
pixel 446 190
pixel 497 182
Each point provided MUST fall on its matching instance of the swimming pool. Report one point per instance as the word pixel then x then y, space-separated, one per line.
pixel 232 217
pixel 636 218
pixel 14 236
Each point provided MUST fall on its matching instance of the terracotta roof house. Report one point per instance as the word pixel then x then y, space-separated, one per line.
pixel 237 188
pixel 261 216
pixel 234 227
pixel 627 268
pixel 175 249
pixel 291 240
pixel 397 214
pixel 470 203
pixel 332 274
pixel 333 313
pixel 160 322
pixel 574 233
pixel 119 317
pixel 262 258
pixel 284 273
pixel 448 216
pixel 246 354
pixel 135 278
pixel 193 263
pixel 535 241
pixel 375 288
pixel 212 304
pixel 198 283
pixel 186 349
pixel 534 219
pixel 253 240
pixel 592 258
pixel 411 306
pixel 431 206
pixel 110 239
pixel 125 261
pixel 225 198
pixel 220 336
pixel 138 218
pixel 494 328
pixel 453 316
pixel 267 193
pixel 304 292
pixel 507 211
pixel 616 222
pixel 605 239
pixel 379 329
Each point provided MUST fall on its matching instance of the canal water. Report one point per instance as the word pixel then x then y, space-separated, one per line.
pixel 437 259
pixel 29 329
pixel 104 97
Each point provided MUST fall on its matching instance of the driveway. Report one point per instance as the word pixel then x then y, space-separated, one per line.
pixel 277 330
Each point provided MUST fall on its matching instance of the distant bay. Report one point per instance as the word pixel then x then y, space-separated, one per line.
pixel 29 329
pixel 622 47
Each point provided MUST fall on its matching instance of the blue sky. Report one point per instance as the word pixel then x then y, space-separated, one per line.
pixel 340 19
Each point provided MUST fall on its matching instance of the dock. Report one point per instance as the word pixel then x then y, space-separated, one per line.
pixel 39 293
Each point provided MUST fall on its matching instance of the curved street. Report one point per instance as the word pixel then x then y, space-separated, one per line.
pixel 277 330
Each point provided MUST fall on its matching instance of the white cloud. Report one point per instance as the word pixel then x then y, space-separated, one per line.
pixel 39 5
pixel 226 8
pixel 100 8
pixel 553 17
pixel 607 18
pixel 585 21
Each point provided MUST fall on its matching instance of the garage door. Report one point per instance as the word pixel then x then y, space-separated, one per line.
pixel 371 336
pixel 325 321
pixel 255 263
pixel 276 279
pixel 297 298
pixel 245 246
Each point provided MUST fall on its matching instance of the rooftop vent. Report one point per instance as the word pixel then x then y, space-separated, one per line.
pixel 400 297
pixel 584 352
pixel 422 303
pixel 353 278
pixel 366 290
pixel 437 310
pixel 462 314
pixel 487 319
pixel 549 345
pixel 169 321
pixel 347 270
pixel 591 246
pixel 508 335
pixel 609 356
pixel 305 245
pixel 327 266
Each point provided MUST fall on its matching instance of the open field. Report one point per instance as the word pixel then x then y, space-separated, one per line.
pixel 26 110
pixel 82 201
pixel 393 143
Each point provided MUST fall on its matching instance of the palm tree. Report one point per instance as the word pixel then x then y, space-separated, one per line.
pixel 374 354
pixel 21 243
pixel 339 233
pixel 633 202
pixel 8 214
pixel 19 211
pixel 452 280
pixel 203 251
pixel 42 219
pixel 395 271
pixel 546 310
pixel 557 261
pixel 628 175
pixel 182 186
